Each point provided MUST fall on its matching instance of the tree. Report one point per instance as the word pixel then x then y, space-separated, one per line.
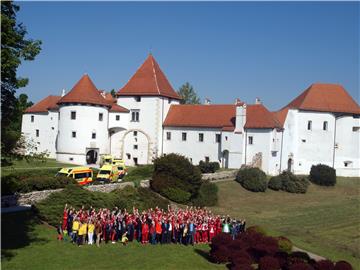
pixel 188 94
pixel 113 93
pixel 15 48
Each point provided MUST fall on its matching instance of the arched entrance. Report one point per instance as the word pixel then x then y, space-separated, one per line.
pixel 91 156
pixel 136 147
pixel 225 159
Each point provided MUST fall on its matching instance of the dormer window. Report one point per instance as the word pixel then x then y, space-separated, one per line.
pixel 137 99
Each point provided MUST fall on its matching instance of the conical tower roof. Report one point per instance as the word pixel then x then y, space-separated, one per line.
pixel 148 80
pixel 84 91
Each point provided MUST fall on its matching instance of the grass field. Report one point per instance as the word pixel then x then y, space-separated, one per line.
pixel 34 246
pixel 325 220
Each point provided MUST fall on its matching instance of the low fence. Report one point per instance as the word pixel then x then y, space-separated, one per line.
pixel 36 196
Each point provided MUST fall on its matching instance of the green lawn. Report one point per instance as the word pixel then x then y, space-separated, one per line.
pixel 29 245
pixel 19 165
pixel 325 220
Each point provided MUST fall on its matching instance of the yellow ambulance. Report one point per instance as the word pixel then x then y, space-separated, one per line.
pixel 83 175
pixel 107 174
pixel 106 160
pixel 122 170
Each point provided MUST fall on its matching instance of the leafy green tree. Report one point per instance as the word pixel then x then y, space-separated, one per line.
pixel 15 48
pixel 113 93
pixel 188 94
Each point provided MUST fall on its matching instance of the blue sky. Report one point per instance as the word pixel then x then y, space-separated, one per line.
pixel 271 50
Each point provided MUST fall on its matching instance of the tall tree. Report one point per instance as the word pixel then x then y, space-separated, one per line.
pixel 15 48
pixel 188 94
pixel 113 93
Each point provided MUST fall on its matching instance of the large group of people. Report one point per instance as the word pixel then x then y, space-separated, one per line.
pixel 188 226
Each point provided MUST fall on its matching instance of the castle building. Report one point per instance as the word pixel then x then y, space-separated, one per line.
pixel 146 120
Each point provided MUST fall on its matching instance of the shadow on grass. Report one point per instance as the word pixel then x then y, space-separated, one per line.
pixel 18 231
pixel 203 253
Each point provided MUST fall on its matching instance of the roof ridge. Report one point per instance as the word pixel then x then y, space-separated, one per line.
pixel 153 67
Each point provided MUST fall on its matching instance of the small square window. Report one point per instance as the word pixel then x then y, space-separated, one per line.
pixel 135 133
pixel 207 159
pixel 32 118
pixel 73 134
pixel 37 133
pixel 138 99
pixel 325 125
pixel 52 128
pixel 251 140
pixel 128 156
pixel 73 115
pixel 135 117
pixel 101 116
pixel 93 135
pixel 184 136
pixel 218 138
pixel 135 146
pixel 354 129
pixel 117 117
pixel 168 136
pixel 71 159
pixel 201 137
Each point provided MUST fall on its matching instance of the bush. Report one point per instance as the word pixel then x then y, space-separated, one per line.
pixel 303 256
pixel 207 196
pixel 275 183
pixel 140 172
pixel 176 194
pixel 300 266
pixel 285 244
pixel 295 184
pixel 268 263
pixel 177 173
pixel 343 265
pixel 257 229
pixel 324 265
pixel 252 179
pixel 323 175
pixel 208 167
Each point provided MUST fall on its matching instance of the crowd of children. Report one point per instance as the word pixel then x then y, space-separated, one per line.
pixel 182 226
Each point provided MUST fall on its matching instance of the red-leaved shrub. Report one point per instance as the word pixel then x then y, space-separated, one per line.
pixel 301 266
pixel 324 265
pixel 343 265
pixel 236 255
pixel 219 255
pixel 242 267
pixel 269 263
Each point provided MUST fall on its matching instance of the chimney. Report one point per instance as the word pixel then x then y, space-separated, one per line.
pixel 63 93
pixel 257 101
pixel 207 101
pixel 240 117
pixel 238 102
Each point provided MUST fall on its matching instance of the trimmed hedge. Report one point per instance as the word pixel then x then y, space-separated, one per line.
pixel 323 175
pixel 173 174
pixel 208 167
pixel 207 196
pixel 289 182
pixel 23 184
pixel 252 179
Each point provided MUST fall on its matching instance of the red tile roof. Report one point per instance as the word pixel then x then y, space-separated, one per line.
pixel 148 80
pixel 84 91
pixel 257 116
pixel 206 116
pixel 118 108
pixel 44 105
pixel 321 97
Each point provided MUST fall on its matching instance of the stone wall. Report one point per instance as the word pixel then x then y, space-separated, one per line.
pixel 220 175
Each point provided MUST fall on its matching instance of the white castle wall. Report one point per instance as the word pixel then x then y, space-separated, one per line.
pixel 87 122
pixel 47 124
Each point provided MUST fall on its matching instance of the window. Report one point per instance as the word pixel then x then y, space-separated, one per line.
pixel 135 133
pixel 138 99
pixel 347 163
pixel 73 115
pixel 309 125
pixel 251 140
pixel 32 118
pixel 207 159
pixel 128 156
pixel 100 116
pixel 355 129
pixel 218 138
pixel 325 125
pixel 93 135
pixel 73 134
pixel 303 140
pixel 135 115
pixel 52 128
pixel 71 159
pixel 117 117
pixel 135 146
pixel 135 161
pixel 169 100
pixel 168 136
pixel 37 133
pixel 201 137
pixel 184 136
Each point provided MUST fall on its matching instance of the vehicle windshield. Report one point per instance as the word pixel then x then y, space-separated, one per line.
pixel 61 174
pixel 104 172
pixel 107 160
pixel 120 168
